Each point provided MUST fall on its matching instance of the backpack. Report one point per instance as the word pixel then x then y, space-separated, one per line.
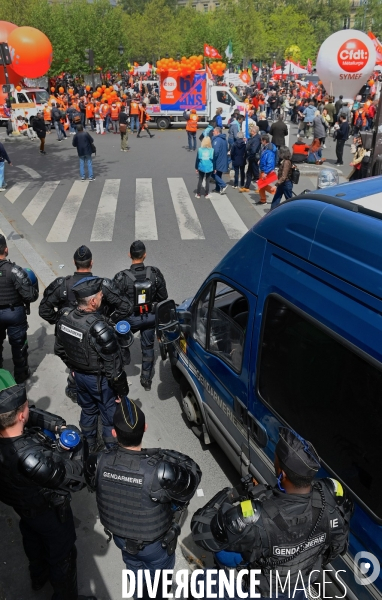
pixel 359 122
pixel 295 175
pixel 143 291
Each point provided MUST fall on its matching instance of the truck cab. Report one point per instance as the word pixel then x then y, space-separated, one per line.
pixel 286 331
pixel 28 101
pixel 223 97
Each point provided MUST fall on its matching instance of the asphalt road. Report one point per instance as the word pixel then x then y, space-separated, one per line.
pixel 147 192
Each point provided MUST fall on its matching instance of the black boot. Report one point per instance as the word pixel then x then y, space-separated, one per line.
pixel 39 581
pixel 151 135
pixel 146 383
pixel 21 374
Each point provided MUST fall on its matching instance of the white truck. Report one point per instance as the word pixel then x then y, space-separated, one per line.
pixel 178 94
pixel 28 101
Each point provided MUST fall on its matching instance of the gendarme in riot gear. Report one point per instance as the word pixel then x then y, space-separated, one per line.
pixel 37 476
pixel 140 493
pixel 89 346
pixel 144 287
pixel 288 532
pixel 59 294
pixel 17 291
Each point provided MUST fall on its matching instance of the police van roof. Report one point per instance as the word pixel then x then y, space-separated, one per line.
pixel 338 229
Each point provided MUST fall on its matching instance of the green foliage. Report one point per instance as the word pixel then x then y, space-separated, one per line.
pixel 369 17
pixel 150 29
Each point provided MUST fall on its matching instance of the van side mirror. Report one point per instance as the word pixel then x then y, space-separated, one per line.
pixel 166 322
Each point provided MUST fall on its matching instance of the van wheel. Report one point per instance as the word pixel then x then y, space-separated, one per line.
pixel 191 409
pixel 163 123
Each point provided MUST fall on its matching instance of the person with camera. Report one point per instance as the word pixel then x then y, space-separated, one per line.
pixel 38 474
pixel 141 493
pixel 144 287
pixel 89 346
pixel 288 532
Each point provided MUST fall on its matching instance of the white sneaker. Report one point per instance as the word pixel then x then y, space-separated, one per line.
pixel 323 145
pixel 223 191
pixel 207 197
pixel 197 195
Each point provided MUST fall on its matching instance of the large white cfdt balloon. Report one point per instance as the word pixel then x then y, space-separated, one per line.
pixel 345 62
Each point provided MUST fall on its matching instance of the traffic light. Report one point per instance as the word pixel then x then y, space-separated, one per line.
pixel 89 57
pixel 5 55
pixel 283 65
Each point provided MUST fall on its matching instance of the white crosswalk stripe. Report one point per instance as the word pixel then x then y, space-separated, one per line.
pixel 146 214
pixel 230 219
pixel 39 202
pixel 188 222
pixel 145 221
pixel 104 221
pixel 15 191
pixel 64 222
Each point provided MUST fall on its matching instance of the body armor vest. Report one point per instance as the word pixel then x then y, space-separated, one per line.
pixel 294 536
pixel 73 332
pixel 124 481
pixel 16 490
pixel 132 277
pixel 8 292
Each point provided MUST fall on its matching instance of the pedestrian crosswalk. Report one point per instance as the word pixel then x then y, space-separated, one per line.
pixel 36 199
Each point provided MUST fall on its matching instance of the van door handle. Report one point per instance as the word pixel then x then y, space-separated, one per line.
pixel 258 431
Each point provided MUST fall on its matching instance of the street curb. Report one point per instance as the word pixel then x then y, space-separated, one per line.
pixel 37 264
pixel 315 169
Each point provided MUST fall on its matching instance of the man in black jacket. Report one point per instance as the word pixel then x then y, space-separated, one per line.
pixel 144 287
pixel 56 118
pixel 253 156
pixel 37 479
pixel 123 119
pixel 279 131
pixel 40 128
pixel 83 141
pixel 342 136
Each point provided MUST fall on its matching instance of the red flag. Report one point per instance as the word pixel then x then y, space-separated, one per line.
pixel 309 65
pixel 211 52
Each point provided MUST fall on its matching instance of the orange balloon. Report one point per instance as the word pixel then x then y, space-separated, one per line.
pixel 61 90
pixel 18 88
pixel 52 89
pixel 5 29
pixel 70 91
pixel 104 87
pixel 111 88
pixel 87 88
pixel 31 51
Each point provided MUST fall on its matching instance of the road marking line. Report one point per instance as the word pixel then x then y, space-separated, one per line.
pixel 16 191
pixel 65 219
pixel 188 222
pixel 145 221
pixel 31 172
pixel 229 217
pixel 103 226
pixel 38 203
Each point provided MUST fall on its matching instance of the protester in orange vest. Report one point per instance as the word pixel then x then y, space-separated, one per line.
pixel 191 127
pixel 134 114
pixel 48 117
pixel 90 114
pixel 143 118
pixel 114 117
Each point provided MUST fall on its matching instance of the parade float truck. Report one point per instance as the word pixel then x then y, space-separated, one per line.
pixel 178 94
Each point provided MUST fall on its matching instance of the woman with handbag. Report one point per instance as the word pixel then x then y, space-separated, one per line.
pixel 123 118
pixel 284 182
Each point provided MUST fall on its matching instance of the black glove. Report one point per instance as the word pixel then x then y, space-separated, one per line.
pixel 120 385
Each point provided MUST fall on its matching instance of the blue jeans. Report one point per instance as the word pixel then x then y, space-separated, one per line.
pixel 284 189
pixel 134 123
pixel 152 557
pixel 14 323
pixel 58 130
pixel 220 183
pixel 2 172
pixel 88 160
pixel 62 129
pixel 191 137
pixel 95 397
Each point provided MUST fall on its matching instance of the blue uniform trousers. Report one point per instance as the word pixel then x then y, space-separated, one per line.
pixel 95 397
pixel 14 323
pixel 146 325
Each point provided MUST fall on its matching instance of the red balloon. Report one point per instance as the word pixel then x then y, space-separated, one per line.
pixel 5 30
pixel 31 51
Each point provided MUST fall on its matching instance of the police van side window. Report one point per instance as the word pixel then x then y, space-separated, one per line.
pixel 326 391
pixel 200 332
pixel 228 322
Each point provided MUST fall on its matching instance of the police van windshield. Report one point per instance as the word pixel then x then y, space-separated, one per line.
pixel 327 393
pixel 39 96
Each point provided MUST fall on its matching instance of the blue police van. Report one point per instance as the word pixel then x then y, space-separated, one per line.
pixel 287 330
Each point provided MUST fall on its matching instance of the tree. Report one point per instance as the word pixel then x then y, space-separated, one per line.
pixel 293 53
